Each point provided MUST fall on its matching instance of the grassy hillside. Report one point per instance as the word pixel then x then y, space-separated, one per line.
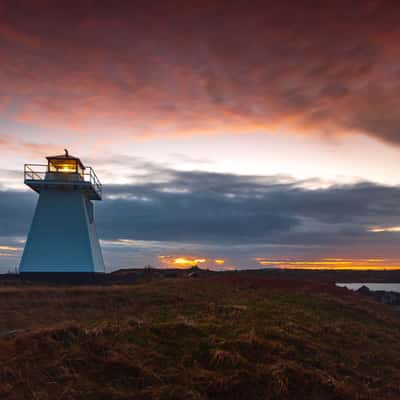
pixel 202 338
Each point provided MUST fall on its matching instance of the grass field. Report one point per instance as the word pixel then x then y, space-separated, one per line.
pixel 231 337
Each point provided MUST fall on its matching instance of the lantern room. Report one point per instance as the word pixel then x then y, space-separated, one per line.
pixel 63 172
pixel 65 164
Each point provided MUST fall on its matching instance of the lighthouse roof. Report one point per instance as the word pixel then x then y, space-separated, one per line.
pixel 65 156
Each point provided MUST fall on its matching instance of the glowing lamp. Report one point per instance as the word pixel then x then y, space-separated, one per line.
pixel 65 164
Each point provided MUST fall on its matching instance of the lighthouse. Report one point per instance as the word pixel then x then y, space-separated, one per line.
pixel 62 237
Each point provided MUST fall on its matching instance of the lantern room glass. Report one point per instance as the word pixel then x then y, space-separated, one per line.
pixel 65 166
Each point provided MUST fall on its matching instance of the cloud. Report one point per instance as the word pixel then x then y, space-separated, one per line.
pixel 165 205
pixel 187 261
pixel 204 67
pixel 236 218
pixel 332 263
pixel 16 211
pixel 3 103
pixel 10 34
pixel 8 143
pixel 210 207
pixel 385 229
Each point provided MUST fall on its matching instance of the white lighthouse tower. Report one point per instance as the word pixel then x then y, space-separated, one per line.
pixel 62 237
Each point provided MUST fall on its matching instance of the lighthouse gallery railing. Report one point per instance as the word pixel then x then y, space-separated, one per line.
pixel 37 172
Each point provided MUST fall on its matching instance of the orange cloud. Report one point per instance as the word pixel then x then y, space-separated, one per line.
pixel 205 69
pixel 9 33
pixel 9 248
pixel 4 100
pixel 332 264
pixel 10 144
pixel 385 229
pixel 187 261
pixel 9 251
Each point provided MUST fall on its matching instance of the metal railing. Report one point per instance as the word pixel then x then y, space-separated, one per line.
pixel 93 179
pixel 31 174
pixel 37 172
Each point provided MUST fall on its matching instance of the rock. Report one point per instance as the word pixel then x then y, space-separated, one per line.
pixel 363 290
pixel 392 298
pixel 382 296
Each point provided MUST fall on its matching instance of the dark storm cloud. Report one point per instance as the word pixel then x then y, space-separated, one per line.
pixel 16 211
pixel 200 207
pixel 194 67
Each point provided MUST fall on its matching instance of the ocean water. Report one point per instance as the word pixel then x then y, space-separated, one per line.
pixel 389 287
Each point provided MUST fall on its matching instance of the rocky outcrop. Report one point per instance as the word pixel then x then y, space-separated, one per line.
pixel 382 296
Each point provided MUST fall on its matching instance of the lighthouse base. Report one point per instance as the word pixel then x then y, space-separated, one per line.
pixel 62 238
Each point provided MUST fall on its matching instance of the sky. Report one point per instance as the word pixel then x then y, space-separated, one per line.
pixel 227 134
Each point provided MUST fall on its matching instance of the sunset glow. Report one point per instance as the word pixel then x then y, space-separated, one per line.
pixel 9 248
pixel 190 261
pixel 184 262
pixel 332 264
pixel 387 229
pixel 224 132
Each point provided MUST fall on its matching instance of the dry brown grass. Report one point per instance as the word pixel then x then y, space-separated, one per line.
pixel 213 338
